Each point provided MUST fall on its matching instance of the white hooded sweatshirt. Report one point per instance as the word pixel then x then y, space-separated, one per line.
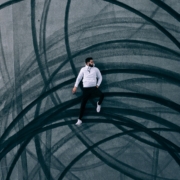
pixel 91 77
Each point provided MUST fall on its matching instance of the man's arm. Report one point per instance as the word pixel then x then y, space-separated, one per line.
pixel 99 77
pixel 78 79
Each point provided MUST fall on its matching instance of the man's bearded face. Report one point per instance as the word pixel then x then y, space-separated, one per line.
pixel 91 63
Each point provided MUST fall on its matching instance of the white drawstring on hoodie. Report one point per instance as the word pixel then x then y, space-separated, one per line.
pixel 91 77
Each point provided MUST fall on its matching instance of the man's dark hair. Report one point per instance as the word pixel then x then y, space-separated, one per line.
pixel 88 59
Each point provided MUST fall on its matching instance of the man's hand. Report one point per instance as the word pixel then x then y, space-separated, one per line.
pixel 97 86
pixel 74 90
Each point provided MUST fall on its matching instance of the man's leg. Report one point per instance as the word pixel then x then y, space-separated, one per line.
pixel 83 105
pixel 101 97
pixel 85 98
pixel 97 92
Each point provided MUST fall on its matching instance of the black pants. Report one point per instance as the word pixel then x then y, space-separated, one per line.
pixel 88 93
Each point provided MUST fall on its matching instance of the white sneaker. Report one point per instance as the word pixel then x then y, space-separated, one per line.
pixel 98 107
pixel 79 122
